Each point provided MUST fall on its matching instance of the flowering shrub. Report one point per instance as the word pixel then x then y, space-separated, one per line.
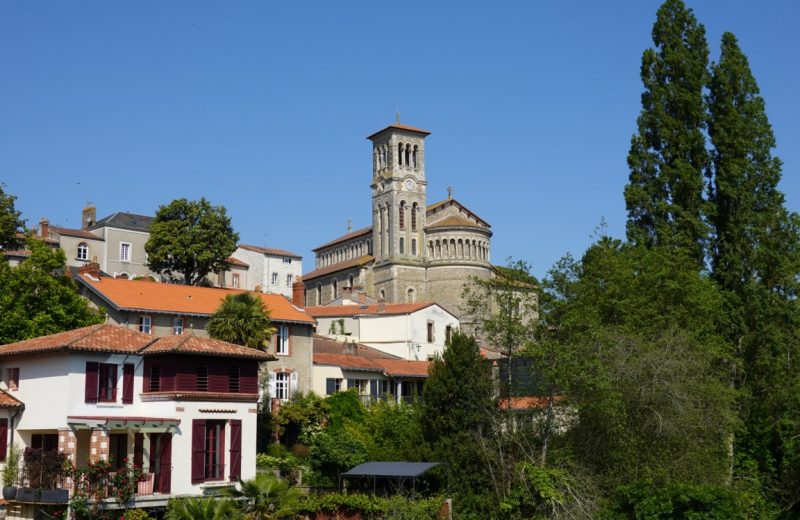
pixel 99 481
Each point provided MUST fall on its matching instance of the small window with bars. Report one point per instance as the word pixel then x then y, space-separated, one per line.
pixel 202 378
pixel 155 379
pixel 233 380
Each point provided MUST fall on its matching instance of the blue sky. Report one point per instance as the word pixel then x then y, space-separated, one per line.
pixel 264 107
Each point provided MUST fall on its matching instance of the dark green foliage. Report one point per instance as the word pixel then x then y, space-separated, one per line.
pixel 394 432
pixel 190 239
pixel 667 159
pixel 37 299
pixel 756 259
pixel 345 407
pixel 10 222
pixel 370 507
pixel 208 508
pixel 332 452
pixel 241 319
pixel 263 497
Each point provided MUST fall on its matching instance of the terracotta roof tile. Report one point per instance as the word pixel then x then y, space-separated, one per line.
pixel 235 261
pixel 94 338
pixel 269 251
pixel 188 344
pixel 9 401
pixel 365 358
pixel 453 202
pixel 347 361
pixel 79 233
pixel 357 310
pixel 347 264
pixel 454 221
pixel 401 126
pixel 527 402
pixel 183 299
pixel 344 238
pixel 403 367
pixel 325 345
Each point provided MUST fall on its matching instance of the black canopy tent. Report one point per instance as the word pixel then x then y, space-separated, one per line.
pixel 399 471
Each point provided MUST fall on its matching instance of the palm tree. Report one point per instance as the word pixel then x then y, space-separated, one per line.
pixel 262 496
pixel 241 319
pixel 202 509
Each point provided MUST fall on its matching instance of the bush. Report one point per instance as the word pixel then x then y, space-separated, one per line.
pixel 370 506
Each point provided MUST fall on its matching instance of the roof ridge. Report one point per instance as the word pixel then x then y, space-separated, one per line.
pixel 94 328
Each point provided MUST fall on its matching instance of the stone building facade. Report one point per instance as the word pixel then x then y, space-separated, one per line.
pixel 413 251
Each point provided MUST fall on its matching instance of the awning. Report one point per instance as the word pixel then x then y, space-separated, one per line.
pixel 390 469
pixel 143 424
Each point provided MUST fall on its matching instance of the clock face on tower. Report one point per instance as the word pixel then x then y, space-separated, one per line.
pixel 409 184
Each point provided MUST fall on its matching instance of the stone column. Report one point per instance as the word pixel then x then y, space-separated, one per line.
pixel 98 445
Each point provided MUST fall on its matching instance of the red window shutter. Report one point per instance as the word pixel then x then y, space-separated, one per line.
pixel 146 375
pixel 248 378
pixel 113 369
pixel 138 450
pixel 217 377
pixel 3 438
pixel 198 450
pixel 165 481
pixel 236 449
pixel 91 382
pixel 127 383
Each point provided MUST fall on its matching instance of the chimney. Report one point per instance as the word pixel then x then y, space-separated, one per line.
pixel 381 305
pixel 362 297
pixel 88 216
pixel 350 347
pixel 44 228
pixel 92 270
pixel 299 292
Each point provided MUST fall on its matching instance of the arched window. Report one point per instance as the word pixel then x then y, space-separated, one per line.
pixel 414 216
pixel 460 248
pixel 319 294
pixel 414 157
pixel 402 214
pixel 408 155
pixel 452 248
pixel 382 294
pixel 83 251
pixel 400 154
pixel 410 297
pixel 335 287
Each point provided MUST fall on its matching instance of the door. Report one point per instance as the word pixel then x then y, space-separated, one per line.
pixel 161 461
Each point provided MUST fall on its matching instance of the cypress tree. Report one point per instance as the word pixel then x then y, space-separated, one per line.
pixel 755 256
pixel 667 158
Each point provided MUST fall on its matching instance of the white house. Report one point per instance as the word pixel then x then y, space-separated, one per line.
pixel 181 407
pixel 416 331
pixel 270 270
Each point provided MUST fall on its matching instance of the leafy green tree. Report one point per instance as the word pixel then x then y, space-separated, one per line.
pixel 37 299
pixel 667 159
pixel 457 418
pixel 756 260
pixel 242 319
pixel 10 222
pixel 208 508
pixel 262 497
pixel 190 238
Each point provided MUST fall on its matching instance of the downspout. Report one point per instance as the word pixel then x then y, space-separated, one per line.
pixel 13 420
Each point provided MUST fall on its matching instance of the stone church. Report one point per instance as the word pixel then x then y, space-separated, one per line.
pixel 413 251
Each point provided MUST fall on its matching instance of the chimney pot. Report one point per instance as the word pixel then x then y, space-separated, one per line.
pixel 44 228
pixel 299 292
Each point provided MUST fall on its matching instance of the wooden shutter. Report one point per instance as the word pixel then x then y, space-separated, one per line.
pixel 198 450
pixel 218 377
pixel 114 376
pixel 236 449
pixel 138 450
pixel 91 382
pixel 165 481
pixel 146 375
pixel 127 383
pixel 4 438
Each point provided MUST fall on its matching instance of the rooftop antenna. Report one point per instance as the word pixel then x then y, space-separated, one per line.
pixel 349 224
pixel 449 192
pixel 397 114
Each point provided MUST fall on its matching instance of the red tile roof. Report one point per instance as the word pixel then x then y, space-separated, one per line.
pixel 94 338
pixel 118 339
pixel 235 261
pixel 9 401
pixel 526 402
pixel 358 310
pixel 454 221
pixel 452 202
pixel 389 367
pixel 188 344
pixel 403 367
pixel 324 345
pixel 344 238
pixel 347 362
pixel 347 264
pixel 143 295
pixel 79 233
pixel 269 251
pixel 401 126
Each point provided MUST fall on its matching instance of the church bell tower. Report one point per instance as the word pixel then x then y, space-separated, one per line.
pixel 398 193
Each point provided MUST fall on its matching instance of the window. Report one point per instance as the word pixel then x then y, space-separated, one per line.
pixel 282 386
pixel 202 378
pixel 233 379
pixel 145 324
pixel 414 217
pixel 288 280
pixel 332 386
pixel 402 218
pixel 282 347
pixel 402 246
pixel 12 378
pixel 319 294
pixel 430 332
pixel 177 326
pixel 44 441
pixel 83 251
pixel 410 295
pixel 124 252
pixel 335 289
pixel 448 333
pixel 287 260
pixel 235 280
pixel 413 247
pixel 107 383
pixel 117 449
pixel 214 455
pixel 274 278
pixel 155 379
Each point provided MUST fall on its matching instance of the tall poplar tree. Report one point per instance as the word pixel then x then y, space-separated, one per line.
pixel 755 256
pixel 667 159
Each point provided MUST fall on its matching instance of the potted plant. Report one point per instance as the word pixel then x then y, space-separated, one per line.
pixel 10 473
pixel 44 472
